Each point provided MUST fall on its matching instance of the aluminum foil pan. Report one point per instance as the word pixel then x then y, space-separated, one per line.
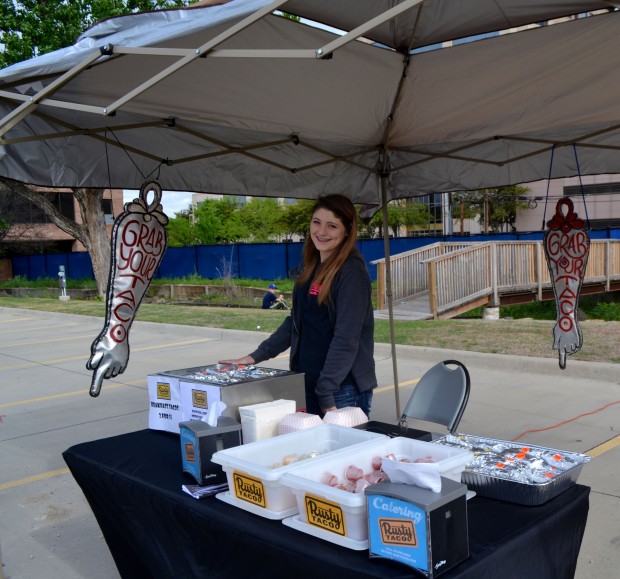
pixel 224 374
pixel 516 472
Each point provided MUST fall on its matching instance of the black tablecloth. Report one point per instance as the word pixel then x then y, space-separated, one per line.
pixel 154 530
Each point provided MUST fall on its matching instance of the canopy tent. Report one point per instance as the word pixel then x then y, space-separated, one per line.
pixel 233 99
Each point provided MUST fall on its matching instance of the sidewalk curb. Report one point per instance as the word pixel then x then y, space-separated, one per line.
pixel 602 371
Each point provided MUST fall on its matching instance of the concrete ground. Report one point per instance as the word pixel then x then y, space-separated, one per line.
pixel 47 528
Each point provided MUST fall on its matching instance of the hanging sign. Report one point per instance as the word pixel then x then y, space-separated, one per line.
pixel 138 244
pixel 567 246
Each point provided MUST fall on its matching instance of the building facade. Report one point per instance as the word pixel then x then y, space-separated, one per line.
pixel 32 231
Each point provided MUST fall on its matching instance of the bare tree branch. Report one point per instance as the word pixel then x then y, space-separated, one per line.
pixel 9 186
pixel 91 232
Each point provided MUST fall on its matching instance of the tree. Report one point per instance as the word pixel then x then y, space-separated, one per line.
pixel 4 228
pixel 13 221
pixel 401 213
pixel 495 208
pixel 91 232
pixel 181 230
pixel 296 217
pixel 31 28
pixel 219 221
pixel 263 218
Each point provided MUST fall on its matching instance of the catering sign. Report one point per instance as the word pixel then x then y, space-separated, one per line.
pixel 165 409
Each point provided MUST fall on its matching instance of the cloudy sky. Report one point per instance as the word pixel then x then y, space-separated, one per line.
pixel 172 201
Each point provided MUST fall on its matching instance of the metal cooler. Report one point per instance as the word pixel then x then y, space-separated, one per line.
pixel 187 394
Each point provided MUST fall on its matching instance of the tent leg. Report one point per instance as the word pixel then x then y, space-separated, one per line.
pixel 388 289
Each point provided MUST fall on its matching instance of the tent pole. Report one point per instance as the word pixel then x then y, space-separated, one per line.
pixel 388 288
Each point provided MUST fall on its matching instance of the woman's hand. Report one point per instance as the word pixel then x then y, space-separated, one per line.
pixel 245 361
pixel 325 410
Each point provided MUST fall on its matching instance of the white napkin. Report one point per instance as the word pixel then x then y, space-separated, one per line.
pixel 420 474
pixel 216 409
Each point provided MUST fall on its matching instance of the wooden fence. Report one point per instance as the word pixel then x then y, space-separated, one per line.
pixel 461 276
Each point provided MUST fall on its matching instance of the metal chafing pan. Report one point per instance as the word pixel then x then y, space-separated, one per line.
pixel 499 467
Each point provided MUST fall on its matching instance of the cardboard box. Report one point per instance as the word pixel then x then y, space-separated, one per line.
pixel 177 396
pixel 417 527
pixel 255 470
pixel 261 421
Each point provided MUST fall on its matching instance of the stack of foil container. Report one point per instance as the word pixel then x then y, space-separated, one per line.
pixel 514 471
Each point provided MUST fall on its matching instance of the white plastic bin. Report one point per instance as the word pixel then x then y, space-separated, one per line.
pixel 339 516
pixel 253 482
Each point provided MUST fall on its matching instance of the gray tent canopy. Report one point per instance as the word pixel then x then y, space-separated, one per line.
pixel 234 99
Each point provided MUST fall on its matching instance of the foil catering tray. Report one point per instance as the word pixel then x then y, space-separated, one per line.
pixel 515 472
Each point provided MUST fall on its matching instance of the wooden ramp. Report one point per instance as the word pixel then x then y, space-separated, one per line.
pixel 443 280
pixel 408 310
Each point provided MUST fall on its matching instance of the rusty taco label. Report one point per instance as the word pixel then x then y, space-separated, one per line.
pixel 163 391
pixel 324 515
pixel 199 399
pixel 398 532
pixel 190 455
pixel 249 489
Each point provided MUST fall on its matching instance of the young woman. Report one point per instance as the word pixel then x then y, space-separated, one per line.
pixel 331 325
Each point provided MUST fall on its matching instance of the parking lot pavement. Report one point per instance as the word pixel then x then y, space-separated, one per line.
pixel 48 530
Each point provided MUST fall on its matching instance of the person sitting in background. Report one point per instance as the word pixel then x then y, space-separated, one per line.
pixel 271 299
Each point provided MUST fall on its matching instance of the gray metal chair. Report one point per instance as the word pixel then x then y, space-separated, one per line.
pixel 440 396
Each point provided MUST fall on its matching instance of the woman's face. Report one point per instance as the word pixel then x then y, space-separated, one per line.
pixel 326 231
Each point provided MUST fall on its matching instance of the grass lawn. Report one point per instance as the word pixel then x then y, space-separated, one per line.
pixel 523 337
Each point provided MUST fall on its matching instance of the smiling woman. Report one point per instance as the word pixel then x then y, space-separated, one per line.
pixel 330 330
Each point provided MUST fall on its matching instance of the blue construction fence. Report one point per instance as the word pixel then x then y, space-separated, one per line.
pixel 267 261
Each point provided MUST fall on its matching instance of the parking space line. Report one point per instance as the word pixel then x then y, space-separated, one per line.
pixel 66 394
pixel 18 319
pixel 37 328
pixel 82 357
pixel 605 447
pixel 34 478
pixel 400 384
pixel 35 342
pixel 31 329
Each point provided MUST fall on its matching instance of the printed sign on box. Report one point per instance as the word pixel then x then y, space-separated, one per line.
pixel 399 531
pixel 196 399
pixel 420 528
pixel 164 403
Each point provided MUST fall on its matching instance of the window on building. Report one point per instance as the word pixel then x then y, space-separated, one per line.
pixel 594 189
pixel 433 203
pixel 106 207
pixel 604 223
pixel 21 211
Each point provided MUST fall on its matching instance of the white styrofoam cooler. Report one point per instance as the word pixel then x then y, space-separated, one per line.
pixel 339 516
pixel 253 482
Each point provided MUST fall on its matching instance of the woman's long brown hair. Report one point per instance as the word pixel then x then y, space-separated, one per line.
pixel 343 209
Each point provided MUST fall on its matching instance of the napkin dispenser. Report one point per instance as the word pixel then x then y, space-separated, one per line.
pixel 418 527
pixel 199 441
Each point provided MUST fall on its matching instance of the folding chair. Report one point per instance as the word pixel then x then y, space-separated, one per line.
pixel 440 396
